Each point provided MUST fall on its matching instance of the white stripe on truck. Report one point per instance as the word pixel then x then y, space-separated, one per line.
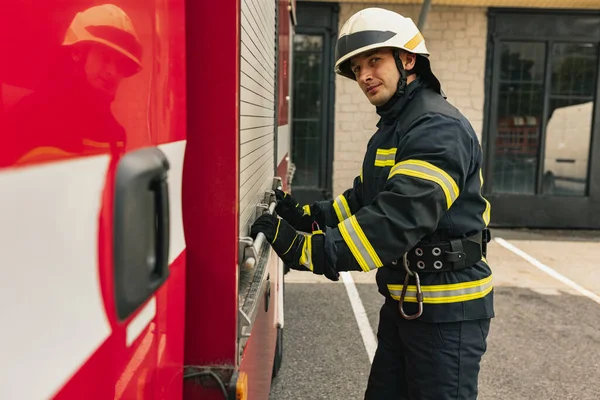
pixel 52 311
pixel 175 153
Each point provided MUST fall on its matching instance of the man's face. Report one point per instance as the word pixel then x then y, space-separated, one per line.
pixel 376 74
pixel 103 69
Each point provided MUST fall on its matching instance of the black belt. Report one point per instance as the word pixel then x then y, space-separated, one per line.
pixel 451 255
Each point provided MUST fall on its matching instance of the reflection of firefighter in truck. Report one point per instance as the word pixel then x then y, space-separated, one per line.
pixel 99 49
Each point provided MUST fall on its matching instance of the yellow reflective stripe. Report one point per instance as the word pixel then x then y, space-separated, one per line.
pixel 355 251
pixel 346 206
pixel 306 209
pixel 439 294
pixel 310 263
pixel 361 178
pixel 306 257
pixel 384 163
pixel 341 208
pixel 277 230
pixel 385 157
pixel 448 287
pixel 486 213
pixel 338 211
pixel 359 245
pixel 386 152
pixel 411 297
pixel 365 242
pixel 414 42
pixel 425 170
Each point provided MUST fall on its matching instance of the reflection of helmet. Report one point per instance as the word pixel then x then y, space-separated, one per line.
pixel 374 28
pixel 109 25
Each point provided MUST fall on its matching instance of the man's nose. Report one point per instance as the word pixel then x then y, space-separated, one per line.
pixel 365 75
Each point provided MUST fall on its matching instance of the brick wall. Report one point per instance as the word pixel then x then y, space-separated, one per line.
pixel 456 39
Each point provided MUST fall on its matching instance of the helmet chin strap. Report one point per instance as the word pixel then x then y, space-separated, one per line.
pixel 402 83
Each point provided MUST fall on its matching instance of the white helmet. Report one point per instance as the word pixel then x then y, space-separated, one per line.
pixel 374 28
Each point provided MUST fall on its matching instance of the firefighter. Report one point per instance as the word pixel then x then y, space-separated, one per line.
pixel 415 214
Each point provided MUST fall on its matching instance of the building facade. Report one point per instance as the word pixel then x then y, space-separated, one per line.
pixel 525 76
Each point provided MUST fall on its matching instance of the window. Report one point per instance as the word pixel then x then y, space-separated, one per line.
pixel 544 89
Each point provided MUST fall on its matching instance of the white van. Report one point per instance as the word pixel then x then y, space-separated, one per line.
pixel 567 150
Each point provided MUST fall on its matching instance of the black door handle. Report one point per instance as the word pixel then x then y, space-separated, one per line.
pixel 140 228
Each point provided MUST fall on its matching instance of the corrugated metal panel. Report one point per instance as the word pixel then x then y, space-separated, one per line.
pixel 572 4
pixel 257 99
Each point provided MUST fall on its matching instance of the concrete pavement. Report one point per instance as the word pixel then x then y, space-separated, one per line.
pixel 544 342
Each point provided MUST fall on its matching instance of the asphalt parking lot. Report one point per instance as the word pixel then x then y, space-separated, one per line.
pixel 543 344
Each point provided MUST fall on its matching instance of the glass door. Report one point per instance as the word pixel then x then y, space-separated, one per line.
pixel 308 137
pixel 543 119
pixel 313 94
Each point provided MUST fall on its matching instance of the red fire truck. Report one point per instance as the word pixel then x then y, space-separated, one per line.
pixel 139 141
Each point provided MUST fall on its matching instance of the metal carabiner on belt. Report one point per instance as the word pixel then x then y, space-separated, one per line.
pixel 410 273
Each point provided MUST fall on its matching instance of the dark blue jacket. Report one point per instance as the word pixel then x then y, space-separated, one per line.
pixel 420 184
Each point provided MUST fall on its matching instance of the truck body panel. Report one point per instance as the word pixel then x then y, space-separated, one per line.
pixel 165 119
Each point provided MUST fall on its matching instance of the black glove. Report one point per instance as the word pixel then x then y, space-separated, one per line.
pixel 281 235
pixel 288 208
pixel 298 251
pixel 301 218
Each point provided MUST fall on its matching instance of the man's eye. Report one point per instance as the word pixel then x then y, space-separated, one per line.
pixel 374 60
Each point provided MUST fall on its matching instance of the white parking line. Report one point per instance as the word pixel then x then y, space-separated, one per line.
pixel 360 314
pixel 585 292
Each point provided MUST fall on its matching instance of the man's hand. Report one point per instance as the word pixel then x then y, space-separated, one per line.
pixel 300 252
pixel 284 239
pixel 288 208
pixel 301 218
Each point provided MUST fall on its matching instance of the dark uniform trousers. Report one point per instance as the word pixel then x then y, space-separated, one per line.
pixel 426 361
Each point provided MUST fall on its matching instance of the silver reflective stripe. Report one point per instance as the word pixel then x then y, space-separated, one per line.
pixel 385 157
pixel 440 294
pixel 425 170
pixel 359 245
pixel 340 205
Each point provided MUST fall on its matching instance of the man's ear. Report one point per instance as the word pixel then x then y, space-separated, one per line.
pixel 408 60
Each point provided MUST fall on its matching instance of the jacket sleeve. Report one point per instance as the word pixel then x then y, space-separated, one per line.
pixel 431 167
pixel 342 207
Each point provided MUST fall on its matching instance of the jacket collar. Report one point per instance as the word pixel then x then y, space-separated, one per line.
pixel 390 111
